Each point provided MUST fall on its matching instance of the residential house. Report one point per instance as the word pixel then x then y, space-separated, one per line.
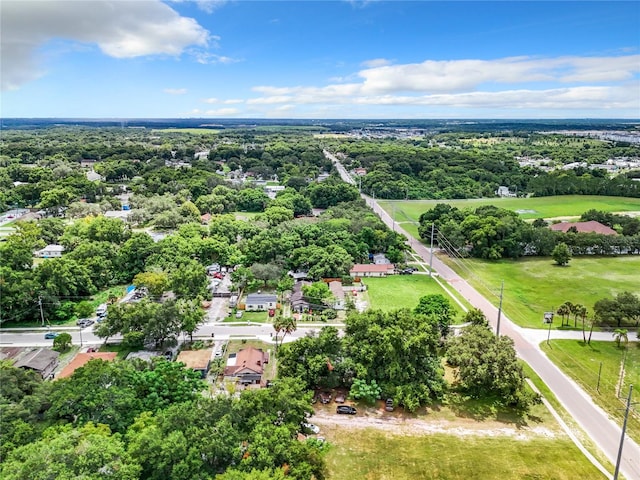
pixel 338 295
pixel 584 227
pixel 197 360
pixel 93 176
pixel 504 192
pixel 83 358
pixel 360 171
pixel 298 303
pixel 323 176
pixel 260 302
pixel 50 251
pixel 298 276
pixel 42 360
pixel 372 270
pixel 205 219
pixel 247 368
pixel 380 259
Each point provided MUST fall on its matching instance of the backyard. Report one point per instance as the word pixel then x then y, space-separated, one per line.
pixel 582 363
pixel 533 286
pixel 402 291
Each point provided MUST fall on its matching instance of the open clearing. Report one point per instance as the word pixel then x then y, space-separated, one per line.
pixel 535 285
pixel 375 454
pixel 402 291
pixel 582 362
pixel 446 443
pixel 534 207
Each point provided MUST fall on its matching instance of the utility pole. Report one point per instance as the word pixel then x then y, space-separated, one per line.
pixel 500 310
pixel 624 428
pixel 41 312
pixel 433 226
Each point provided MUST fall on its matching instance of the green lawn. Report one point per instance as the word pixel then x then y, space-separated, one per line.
pixel 546 207
pixel 582 363
pixel 402 291
pixel 535 285
pixel 380 455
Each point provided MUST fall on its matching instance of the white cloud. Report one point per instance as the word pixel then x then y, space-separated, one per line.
pixel 230 101
pixel 120 29
pixel 561 83
pixel 212 58
pixel 376 62
pixel 175 91
pixel 211 100
pixel 208 6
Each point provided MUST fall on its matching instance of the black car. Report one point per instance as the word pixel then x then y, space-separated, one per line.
pixel 388 405
pixel 346 409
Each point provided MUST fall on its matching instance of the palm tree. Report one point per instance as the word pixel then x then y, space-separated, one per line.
pixel 564 311
pixel 619 335
pixel 579 311
pixel 284 324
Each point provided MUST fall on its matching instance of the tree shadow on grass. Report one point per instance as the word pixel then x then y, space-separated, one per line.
pixel 490 409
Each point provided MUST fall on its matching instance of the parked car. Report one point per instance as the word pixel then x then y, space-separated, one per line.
pixel 346 409
pixel 50 335
pixel 239 314
pixel 218 275
pixel 85 322
pixel 388 405
pixel 325 397
pixel 340 397
pixel 310 427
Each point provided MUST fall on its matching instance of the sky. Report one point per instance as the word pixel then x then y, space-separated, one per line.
pixel 319 59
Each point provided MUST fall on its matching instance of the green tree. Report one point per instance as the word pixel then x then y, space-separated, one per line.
pixel 90 451
pixel 286 325
pixel 475 316
pixel 62 342
pixel 437 306
pixel 156 282
pixel 487 367
pixel 621 335
pixel 369 392
pixel 561 254
pixel 398 350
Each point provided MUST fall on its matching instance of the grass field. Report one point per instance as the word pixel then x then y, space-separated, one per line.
pixel 402 291
pixel 378 455
pixel 535 285
pixel 582 363
pixel 535 207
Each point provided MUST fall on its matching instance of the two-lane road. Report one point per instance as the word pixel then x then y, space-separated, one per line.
pixel 592 419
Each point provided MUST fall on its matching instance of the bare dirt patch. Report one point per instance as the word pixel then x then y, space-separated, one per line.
pixel 409 426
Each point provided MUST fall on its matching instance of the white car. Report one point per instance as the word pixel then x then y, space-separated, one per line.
pixel 310 427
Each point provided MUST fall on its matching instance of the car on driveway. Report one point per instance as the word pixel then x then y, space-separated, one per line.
pixel 346 409
pixel 340 397
pixel 325 397
pixel 50 335
pixel 310 427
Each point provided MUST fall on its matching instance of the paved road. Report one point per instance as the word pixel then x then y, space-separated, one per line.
pixel 594 421
pixel 221 331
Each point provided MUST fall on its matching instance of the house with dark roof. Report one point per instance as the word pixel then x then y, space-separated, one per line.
pixel 583 227
pixel 42 360
pixel 372 270
pixel 298 303
pixel 260 302
pixel 248 366
pixel 338 295
pixel 197 360
pixel 82 359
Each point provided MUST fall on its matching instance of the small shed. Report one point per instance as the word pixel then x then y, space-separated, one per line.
pixel 197 360
pixel 261 302
pixel 42 360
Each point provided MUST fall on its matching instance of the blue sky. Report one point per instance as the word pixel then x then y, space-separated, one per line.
pixel 314 59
